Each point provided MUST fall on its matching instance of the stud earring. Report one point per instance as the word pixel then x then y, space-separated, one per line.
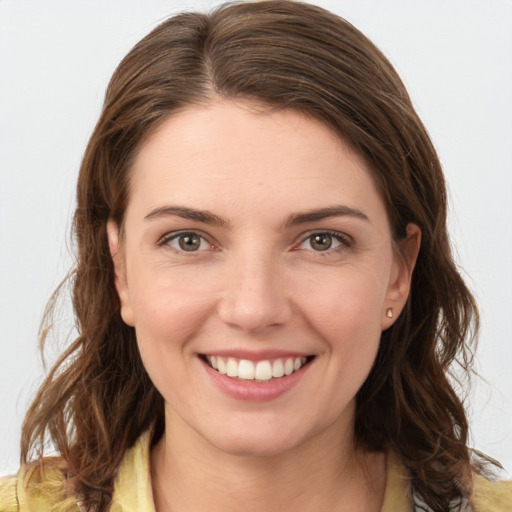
pixel 389 313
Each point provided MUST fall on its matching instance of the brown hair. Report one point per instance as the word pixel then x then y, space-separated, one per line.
pixel 98 399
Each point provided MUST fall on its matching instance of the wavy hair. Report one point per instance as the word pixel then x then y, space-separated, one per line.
pixel 98 398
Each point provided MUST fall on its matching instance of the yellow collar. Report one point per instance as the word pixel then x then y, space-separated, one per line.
pixel 133 493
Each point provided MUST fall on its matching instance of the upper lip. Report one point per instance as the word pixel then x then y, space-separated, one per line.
pixel 259 355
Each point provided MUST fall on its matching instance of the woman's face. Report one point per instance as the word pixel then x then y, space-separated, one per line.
pixel 257 268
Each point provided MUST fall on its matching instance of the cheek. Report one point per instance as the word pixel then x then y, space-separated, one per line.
pixel 170 310
pixel 169 313
pixel 163 295
pixel 351 298
pixel 347 314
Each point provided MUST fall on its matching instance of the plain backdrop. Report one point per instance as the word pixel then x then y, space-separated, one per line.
pixel 55 60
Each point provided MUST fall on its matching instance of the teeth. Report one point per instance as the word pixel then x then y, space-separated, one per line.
pixel 221 365
pixel 232 368
pixel 261 371
pixel 288 367
pixel 246 370
pixel 277 368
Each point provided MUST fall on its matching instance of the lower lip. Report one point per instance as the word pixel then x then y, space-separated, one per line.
pixel 253 391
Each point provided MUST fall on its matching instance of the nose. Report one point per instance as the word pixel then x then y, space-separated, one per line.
pixel 254 297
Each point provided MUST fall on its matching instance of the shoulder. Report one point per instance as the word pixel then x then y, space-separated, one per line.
pixel 36 488
pixel 132 488
pixel 491 496
pixel 8 494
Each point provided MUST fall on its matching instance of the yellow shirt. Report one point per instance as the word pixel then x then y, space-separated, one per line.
pixel 132 491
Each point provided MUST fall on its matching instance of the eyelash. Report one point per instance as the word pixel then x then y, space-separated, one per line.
pixel 344 241
pixel 170 237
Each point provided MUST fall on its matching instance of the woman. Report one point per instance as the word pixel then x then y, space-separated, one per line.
pixel 265 295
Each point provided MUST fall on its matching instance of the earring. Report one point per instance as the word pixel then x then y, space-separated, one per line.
pixel 389 313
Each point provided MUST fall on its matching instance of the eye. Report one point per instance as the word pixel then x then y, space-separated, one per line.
pixel 324 241
pixel 186 241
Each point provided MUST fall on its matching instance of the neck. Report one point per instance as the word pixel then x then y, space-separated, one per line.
pixel 324 473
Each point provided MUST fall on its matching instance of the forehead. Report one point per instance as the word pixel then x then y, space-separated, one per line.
pixel 229 152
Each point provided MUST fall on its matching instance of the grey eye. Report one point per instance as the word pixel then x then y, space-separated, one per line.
pixel 189 242
pixel 321 241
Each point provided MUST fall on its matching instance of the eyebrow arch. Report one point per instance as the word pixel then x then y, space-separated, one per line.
pixel 323 213
pixel 188 213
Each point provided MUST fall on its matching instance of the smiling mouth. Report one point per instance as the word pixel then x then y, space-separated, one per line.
pixel 260 371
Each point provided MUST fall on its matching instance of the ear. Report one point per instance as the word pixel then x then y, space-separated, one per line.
pixel 120 279
pixel 406 254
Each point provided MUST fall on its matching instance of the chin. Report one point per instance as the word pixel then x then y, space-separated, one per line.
pixel 255 447
pixel 257 439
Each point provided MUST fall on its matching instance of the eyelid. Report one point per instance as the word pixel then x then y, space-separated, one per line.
pixel 345 240
pixel 172 235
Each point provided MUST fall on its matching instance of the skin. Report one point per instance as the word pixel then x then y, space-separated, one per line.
pixel 257 282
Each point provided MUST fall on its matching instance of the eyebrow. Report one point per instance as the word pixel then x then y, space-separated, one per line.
pixel 292 220
pixel 188 213
pixel 323 213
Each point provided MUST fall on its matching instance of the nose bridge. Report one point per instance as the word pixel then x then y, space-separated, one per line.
pixel 254 296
